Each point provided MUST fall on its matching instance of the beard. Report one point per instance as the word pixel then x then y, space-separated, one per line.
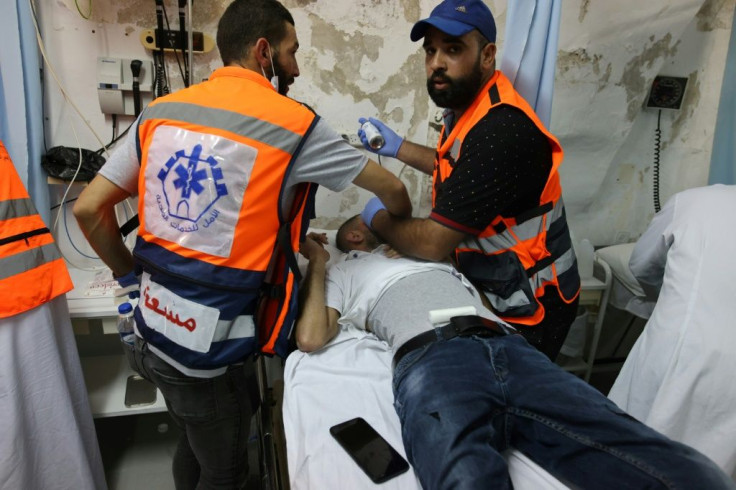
pixel 459 93
pixel 284 80
pixel 371 239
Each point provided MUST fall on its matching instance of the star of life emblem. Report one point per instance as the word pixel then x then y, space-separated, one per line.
pixel 195 184
pixel 191 186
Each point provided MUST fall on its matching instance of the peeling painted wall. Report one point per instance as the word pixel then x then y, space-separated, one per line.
pixel 356 60
pixel 608 57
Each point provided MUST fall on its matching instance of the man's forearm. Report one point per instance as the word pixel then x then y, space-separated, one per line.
pixel 389 189
pixel 95 213
pixel 103 234
pixel 417 237
pixel 418 156
pixel 313 329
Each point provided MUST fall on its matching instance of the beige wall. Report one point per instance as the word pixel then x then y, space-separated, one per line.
pixel 356 60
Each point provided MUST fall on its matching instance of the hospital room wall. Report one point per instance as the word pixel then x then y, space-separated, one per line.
pixel 608 175
pixel 356 60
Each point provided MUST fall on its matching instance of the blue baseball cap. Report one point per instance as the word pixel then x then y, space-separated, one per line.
pixel 456 18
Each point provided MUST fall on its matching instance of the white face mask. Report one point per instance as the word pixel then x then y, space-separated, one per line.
pixel 274 78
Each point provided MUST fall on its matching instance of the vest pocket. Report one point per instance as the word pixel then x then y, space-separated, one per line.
pixel 276 308
pixel 504 279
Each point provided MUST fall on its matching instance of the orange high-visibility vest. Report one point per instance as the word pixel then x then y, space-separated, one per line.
pixel 515 257
pixel 214 162
pixel 32 271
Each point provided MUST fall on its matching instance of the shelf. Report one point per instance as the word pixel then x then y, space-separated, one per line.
pixel 82 305
pixel 106 378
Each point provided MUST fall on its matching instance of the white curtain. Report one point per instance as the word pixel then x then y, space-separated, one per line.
pixel 21 111
pixel 723 157
pixel 530 51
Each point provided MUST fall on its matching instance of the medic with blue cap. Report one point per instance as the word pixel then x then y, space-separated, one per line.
pixel 497 207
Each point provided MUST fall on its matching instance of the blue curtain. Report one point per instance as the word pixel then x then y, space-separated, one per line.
pixel 530 51
pixel 723 157
pixel 21 124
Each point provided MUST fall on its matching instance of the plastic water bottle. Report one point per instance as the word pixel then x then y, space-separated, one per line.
pixel 126 323
pixel 585 253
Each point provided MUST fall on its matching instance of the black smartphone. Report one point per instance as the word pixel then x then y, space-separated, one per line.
pixel 139 392
pixel 373 453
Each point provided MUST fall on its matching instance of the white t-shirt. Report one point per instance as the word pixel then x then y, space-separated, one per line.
pixel 393 296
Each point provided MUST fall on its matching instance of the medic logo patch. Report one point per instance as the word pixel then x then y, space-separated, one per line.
pixel 191 186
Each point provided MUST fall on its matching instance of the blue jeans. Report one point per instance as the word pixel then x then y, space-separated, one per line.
pixel 463 401
pixel 214 417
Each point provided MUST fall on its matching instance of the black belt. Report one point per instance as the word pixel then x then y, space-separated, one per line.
pixel 459 326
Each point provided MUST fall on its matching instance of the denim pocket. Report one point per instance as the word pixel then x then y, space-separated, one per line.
pixel 400 371
pixel 407 362
pixel 192 399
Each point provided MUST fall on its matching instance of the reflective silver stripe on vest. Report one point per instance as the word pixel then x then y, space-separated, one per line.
pixel 30 259
pixel 455 150
pixel 517 298
pixel 17 208
pixel 521 232
pixel 240 328
pixel 562 265
pixel 234 122
pixel 506 240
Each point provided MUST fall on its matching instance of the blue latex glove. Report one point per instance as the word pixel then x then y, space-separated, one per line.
pixel 130 283
pixel 373 206
pixel 393 140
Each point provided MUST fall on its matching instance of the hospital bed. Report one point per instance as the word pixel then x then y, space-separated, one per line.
pixel 351 377
pixel 628 308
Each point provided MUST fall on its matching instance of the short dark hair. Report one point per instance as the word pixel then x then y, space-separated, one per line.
pixel 349 225
pixel 245 21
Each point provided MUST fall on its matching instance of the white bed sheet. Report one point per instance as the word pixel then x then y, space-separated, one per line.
pixel 351 377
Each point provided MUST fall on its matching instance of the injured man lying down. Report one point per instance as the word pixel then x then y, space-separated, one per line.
pixel 468 387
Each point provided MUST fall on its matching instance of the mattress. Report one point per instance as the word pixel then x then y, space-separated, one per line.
pixel 351 377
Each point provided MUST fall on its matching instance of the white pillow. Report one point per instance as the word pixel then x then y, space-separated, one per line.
pixel 335 253
pixel 617 257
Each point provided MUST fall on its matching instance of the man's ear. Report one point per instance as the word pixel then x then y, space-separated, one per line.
pixel 355 237
pixel 488 55
pixel 260 51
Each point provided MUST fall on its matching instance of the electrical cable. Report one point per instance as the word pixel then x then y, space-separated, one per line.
pixel 62 203
pixel 89 8
pixel 161 82
pixel 71 242
pixel 184 40
pixel 190 44
pixel 68 99
pixel 71 182
pixel 114 129
pixel 117 138
pixel 173 48
pixel 128 243
pixel 655 172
